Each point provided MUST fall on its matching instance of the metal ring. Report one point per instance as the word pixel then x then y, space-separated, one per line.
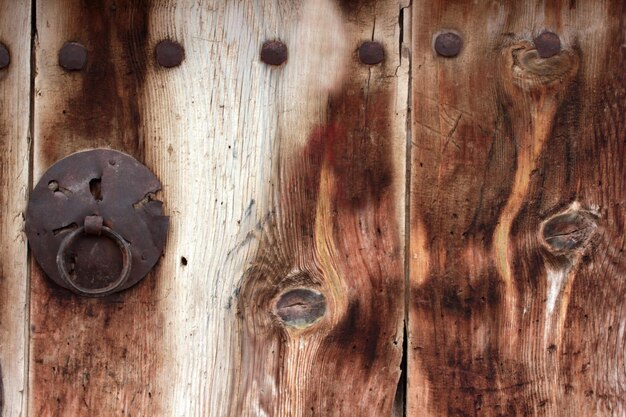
pixel 126 263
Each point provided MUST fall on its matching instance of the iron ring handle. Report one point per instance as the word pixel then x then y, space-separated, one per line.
pixel 90 292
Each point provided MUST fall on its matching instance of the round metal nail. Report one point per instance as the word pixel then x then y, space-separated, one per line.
pixel 73 56
pixel 274 52
pixel 548 44
pixel 448 44
pixel 371 53
pixel 5 57
pixel 169 53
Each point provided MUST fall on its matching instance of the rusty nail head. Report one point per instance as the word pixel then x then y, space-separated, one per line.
pixel 169 53
pixel 73 56
pixel 371 53
pixel 448 44
pixel 5 57
pixel 548 44
pixel 274 52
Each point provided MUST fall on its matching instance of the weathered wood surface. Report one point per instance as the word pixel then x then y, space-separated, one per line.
pixel 335 221
pixel 15 97
pixel 97 357
pixel 517 217
pixel 274 177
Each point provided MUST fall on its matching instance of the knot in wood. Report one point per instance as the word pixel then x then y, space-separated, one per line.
pixel 530 71
pixel 568 232
pixel 300 307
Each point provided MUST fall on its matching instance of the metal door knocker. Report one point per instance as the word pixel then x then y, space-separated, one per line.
pixel 93 223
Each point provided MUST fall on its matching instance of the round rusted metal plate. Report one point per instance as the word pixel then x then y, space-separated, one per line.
pixel 105 183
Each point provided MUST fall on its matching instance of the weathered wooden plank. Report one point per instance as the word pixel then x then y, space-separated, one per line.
pixel 274 178
pixel 335 223
pixel 97 357
pixel 517 278
pixel 15 37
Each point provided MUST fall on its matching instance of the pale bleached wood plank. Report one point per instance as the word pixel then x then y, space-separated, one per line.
pixel 15 34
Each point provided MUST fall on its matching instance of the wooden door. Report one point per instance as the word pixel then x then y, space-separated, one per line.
pixel 420 212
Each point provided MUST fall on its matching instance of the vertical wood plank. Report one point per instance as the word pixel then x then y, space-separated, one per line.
pixel 335 225
pixel 15 35
pixel 274 178
pixel 517 211
pixel 97 357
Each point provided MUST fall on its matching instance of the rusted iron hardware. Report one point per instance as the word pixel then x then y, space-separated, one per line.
pixel 5 57
pixel 548 44
pixel 371 53
pixel 448 44
pixel 73 56
pixel 274 52
pixel 169 54
pixel 93 223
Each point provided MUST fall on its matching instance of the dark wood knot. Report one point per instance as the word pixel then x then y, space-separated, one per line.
pixel 300 307
pixel 568 232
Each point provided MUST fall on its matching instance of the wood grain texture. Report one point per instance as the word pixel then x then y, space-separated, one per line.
pixel 15 34
pixel 96 357
pixel 274 177
pixel 517 217
pixel 335 224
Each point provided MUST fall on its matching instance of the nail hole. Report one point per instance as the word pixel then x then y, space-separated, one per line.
pixel 183 261
pixel 95 187
pixel 300 307
pixel 53 186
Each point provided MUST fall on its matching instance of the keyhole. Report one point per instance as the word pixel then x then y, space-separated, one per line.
pixel 96 188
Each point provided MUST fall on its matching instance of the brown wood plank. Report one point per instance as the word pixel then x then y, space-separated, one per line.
pixel 517 218
pixel 15 88
pixel 274 178
pixel 335 225
pixel 96 357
